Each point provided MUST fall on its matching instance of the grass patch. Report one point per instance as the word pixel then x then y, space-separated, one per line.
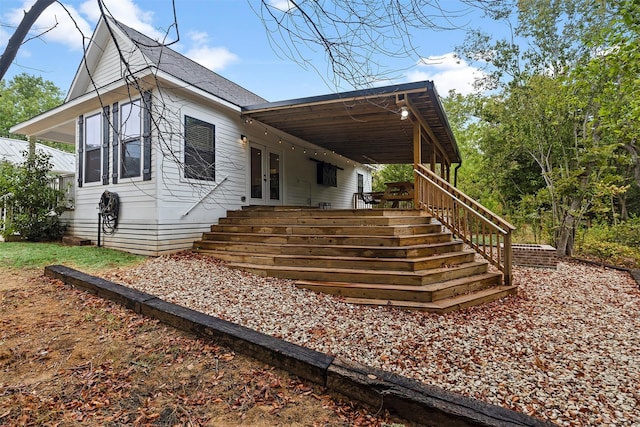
pixel 87 258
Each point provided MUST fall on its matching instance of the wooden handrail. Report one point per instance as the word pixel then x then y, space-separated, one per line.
pixel 467 219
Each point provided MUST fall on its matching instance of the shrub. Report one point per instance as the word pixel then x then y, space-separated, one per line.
pixel 34 205
pixel 612 244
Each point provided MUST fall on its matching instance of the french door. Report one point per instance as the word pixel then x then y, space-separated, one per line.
pixel 265 175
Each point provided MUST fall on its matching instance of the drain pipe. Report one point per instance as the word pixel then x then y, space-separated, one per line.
pixel 455 174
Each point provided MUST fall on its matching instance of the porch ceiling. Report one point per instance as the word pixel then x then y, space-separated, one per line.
pixel 363 125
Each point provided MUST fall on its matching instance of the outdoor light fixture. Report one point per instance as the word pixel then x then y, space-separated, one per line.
pixel 243 138
pixel 404 113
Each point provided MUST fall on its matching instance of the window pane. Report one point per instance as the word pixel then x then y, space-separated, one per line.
pixel 256 173
pixel 92 143
pixel 92 132
pixel 131 158
pixel 199 157
pixel 92 168
pixel 131 120
pixel 274 176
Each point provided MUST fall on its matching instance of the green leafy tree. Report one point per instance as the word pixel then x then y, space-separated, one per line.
pixel 24 97
pixel 34 206
pixel 391 173
pixel 544 113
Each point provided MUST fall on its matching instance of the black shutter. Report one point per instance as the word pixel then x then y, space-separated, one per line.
pixel 80 148
pixel 115 143
pixel 105 145
pixel 146 136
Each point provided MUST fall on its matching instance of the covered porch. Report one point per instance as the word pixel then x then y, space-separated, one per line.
pixel 402 124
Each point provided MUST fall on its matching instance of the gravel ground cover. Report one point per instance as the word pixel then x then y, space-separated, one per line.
pixel 565 349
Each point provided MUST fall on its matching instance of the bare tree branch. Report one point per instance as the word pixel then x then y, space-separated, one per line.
pixel 20 34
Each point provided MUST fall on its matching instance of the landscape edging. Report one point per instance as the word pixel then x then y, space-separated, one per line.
pixel 409 398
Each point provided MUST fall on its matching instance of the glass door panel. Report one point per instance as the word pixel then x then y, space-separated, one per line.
pixel 274 176
pixel 256 178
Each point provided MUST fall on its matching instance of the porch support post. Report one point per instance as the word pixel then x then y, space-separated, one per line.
pixel 417 160
pixel 434 157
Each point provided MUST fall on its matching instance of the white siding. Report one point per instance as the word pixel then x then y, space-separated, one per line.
pixel 110 69
pixel 168 213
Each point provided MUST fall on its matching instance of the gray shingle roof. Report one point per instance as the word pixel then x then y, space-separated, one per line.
pixel 183 68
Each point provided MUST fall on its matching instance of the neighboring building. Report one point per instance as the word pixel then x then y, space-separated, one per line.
pixel 12 150
pixel 181 145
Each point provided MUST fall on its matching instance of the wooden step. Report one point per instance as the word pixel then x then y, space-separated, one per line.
pixel 320 240
pixel 445 305
pixel 396 257
pixel 214 248
pixel 361 221
pixel 310 212
pixel 330 230
pixel 424 293
pixel 350 262
pixel 415 278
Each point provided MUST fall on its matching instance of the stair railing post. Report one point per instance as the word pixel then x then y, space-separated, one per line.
pixel 508 254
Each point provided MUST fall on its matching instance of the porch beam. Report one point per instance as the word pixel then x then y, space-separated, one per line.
pixel 407 102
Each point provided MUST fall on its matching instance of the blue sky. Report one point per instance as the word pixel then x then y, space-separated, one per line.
pixel 227 37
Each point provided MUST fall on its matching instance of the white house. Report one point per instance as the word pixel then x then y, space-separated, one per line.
pixel 181 145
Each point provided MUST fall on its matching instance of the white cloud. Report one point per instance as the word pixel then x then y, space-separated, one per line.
pixel 282 5
pixel 55 24
pixel 127 12
pixel 71 27
pixel 214 58
pixel 447 72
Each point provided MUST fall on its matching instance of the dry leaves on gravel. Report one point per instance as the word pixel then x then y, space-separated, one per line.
pixel 565 349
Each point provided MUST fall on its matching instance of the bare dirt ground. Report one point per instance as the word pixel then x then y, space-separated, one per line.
pixel 69 358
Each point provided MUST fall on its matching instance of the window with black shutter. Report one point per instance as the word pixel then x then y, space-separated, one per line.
pixel 199 149
pixel 93 148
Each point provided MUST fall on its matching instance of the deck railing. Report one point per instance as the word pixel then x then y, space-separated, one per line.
pixel 467 219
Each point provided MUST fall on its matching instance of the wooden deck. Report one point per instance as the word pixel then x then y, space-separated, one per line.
pixel 396 257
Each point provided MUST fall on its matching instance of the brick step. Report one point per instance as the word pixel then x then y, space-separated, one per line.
pixel 350 262
pixel 329 230
pixel 211 247
pixel 415 278
pixel 445 305
pixel 328 221
pixel 280 212
pixel 424 293
pixel 349 240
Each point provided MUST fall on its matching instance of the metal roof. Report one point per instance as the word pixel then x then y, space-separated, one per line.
pixel 364 125
pixel 11 150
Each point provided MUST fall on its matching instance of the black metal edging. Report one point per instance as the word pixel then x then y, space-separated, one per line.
pixel 633 272
pixel 411 399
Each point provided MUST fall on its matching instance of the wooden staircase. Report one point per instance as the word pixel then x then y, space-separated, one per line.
pixel 391 257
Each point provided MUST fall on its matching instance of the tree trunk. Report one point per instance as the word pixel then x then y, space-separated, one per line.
pixel 622 201
pixel 21 32
pixel 566 234
pixel 32 148
pixel 633 151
